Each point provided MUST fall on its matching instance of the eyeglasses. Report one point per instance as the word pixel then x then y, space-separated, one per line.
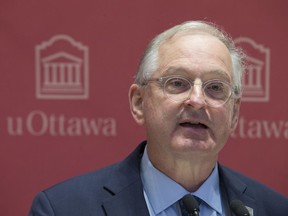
pixel 178 88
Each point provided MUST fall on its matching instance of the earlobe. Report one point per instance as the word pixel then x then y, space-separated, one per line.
pixel 136 103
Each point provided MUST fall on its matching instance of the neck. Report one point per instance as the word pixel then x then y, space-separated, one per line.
pixel 189 171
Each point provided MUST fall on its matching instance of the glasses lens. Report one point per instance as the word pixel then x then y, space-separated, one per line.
pixel 217 92
pixel 177 88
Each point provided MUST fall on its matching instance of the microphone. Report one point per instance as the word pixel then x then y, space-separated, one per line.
pixel 238 208
pixel 191 205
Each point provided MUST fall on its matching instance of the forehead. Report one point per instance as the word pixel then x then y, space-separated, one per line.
pixel 196 55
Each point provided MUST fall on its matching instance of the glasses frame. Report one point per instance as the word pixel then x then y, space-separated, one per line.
pixel 163 81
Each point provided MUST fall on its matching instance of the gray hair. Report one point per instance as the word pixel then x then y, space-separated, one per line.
pixel 149 62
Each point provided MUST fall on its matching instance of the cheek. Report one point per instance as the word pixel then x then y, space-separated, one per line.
pixel 228 118
pixel 151 109
pixel 154 112
pixel 221 127
pixel 152 102
pixel 223 118
pixel 159 112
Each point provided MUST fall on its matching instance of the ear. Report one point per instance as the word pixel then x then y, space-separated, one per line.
pixel 235 114
pixel 136 103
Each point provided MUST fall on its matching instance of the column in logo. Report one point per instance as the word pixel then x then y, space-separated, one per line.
pixel 62 70
pixel 256 81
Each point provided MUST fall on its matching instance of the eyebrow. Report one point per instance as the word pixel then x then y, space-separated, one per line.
pixel 173 70
pixel 219 74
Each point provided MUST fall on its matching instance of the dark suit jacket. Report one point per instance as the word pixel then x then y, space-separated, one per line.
pixel 117 191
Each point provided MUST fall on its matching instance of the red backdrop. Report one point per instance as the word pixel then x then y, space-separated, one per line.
pixel 66 67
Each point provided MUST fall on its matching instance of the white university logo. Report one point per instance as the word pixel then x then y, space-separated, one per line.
pixel 256 81
pixel 62 69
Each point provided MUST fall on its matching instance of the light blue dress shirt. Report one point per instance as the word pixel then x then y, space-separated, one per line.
pixel 162 193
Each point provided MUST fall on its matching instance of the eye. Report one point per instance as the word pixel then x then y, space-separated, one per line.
pixel 217 90
pixel 217 87
pixel 176 85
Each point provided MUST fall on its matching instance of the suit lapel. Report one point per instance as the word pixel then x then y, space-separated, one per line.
pixel 125 188
pixel 129 202
pixel 236 189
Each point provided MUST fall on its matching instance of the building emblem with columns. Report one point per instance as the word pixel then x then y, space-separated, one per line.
pixel 62 70
pixel 256 81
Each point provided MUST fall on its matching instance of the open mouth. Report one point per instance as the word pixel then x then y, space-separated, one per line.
pixel 194 125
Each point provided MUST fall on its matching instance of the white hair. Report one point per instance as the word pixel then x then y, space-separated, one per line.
pixel 149 62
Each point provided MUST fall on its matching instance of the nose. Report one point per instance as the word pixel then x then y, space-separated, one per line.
pixel 196 98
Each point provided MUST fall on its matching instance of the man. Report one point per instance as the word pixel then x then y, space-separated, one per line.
pixel 187 96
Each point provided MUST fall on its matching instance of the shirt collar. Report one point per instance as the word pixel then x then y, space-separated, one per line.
pixel 209 191
pixel 163 192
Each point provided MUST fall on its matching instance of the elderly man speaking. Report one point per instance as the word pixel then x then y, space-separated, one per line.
pixel 186 95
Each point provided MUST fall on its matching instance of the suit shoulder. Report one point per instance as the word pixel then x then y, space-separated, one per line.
pixel 93 178
pixel 120 173
pixel 72 196
pixel 86 193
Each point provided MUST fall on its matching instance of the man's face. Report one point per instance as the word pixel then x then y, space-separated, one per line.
pixel 189 127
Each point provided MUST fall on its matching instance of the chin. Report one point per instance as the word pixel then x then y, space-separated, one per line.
pixel 191 145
